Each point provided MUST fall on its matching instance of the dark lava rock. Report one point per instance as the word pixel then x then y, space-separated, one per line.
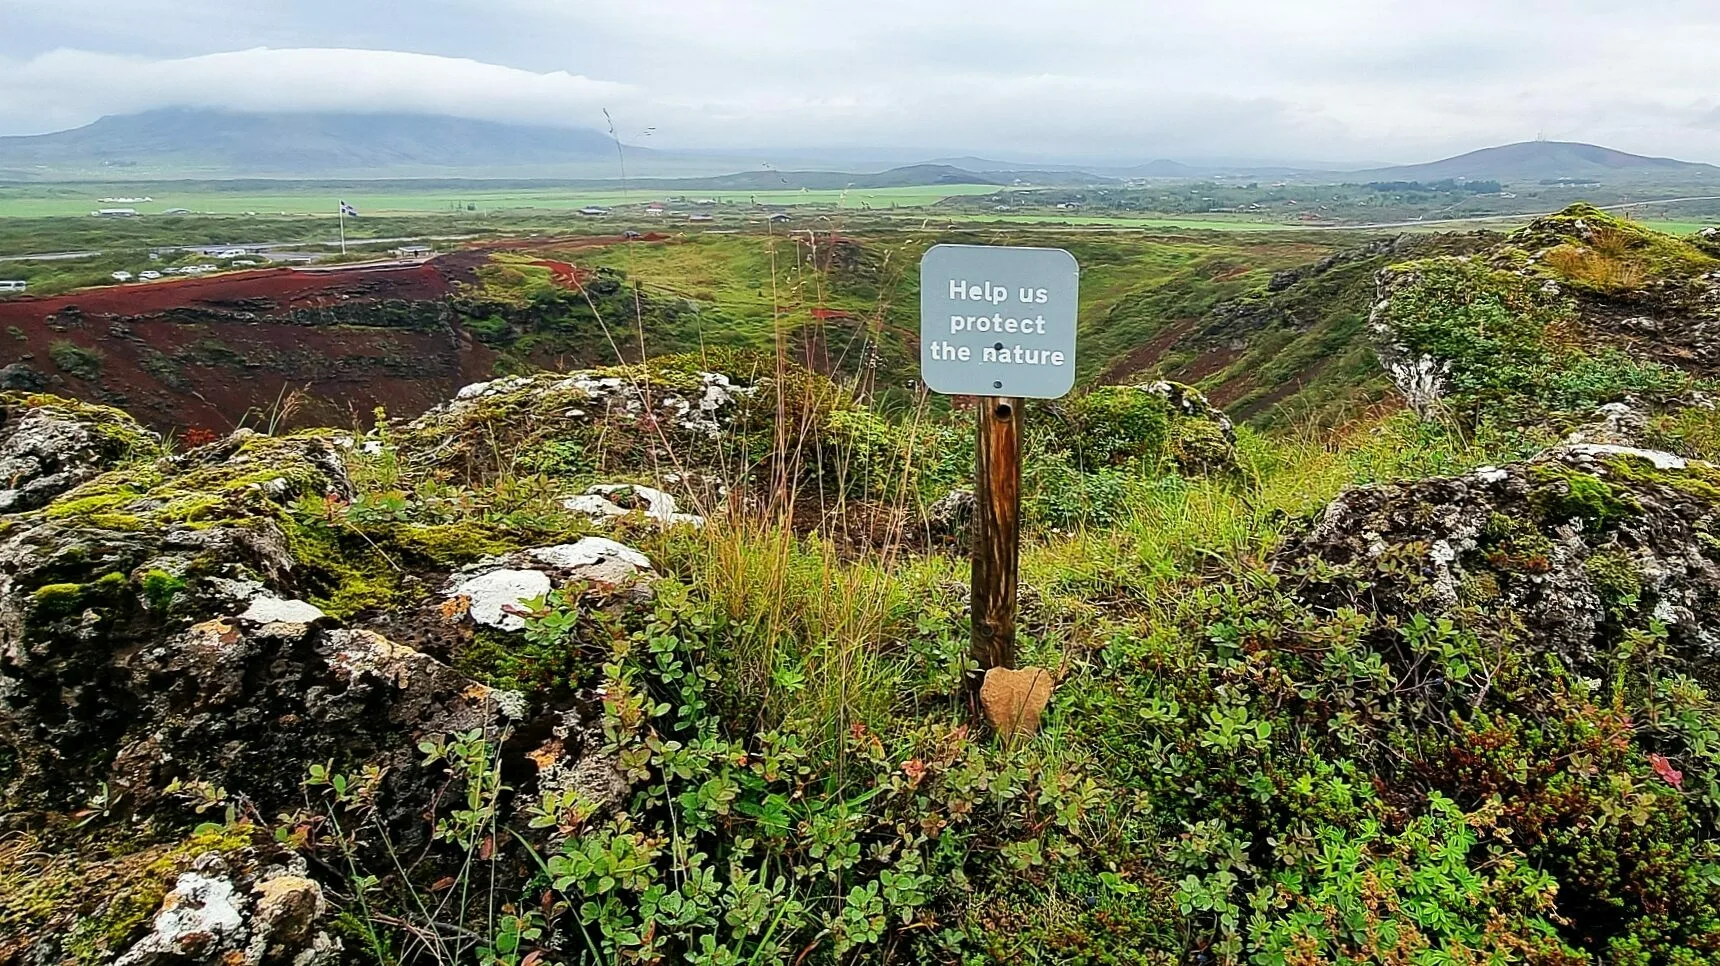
pixel 1561 553
pixel 49 445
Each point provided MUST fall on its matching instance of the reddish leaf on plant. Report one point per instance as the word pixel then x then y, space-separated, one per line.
pixel 1664 769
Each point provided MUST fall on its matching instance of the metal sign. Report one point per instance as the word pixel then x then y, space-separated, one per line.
pixel 998 321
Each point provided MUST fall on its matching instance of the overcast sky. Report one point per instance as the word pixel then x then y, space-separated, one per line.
pixel 1338 80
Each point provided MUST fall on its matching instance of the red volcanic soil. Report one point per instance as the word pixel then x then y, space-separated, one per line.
pixel 567 276
pixel 218 351
pixel 286 288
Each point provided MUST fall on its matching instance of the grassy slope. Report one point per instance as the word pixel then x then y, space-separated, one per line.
pixel 1130 285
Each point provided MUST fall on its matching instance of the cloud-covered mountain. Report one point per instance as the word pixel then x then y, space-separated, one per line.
pixel 209 142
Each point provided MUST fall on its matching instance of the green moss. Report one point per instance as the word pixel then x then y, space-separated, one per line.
pixel 343 581
pixel 450 545
pixel 1695 479
pixel 1113 426
pixel 1615 580
pixel 160 587
pixel 1564 494
pixel 111 889
pixel 55 601
pixel 58 600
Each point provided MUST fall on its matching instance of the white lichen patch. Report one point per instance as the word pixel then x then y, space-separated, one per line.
pixel 594 558
pixel 491 594
pixel 267 609
pixel 1661 460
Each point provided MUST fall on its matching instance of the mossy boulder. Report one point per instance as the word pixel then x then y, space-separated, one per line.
pixel 49 445
pixel 712 423
pixel 1153 428
pixel 1576 310
pixel 1565 554
pixel 88 900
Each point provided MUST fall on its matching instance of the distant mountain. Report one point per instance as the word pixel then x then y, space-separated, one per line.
pixel 1165 168
pixel 225 143
pixel 1535 161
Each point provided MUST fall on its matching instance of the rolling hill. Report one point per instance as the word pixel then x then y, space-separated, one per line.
pixel 1535 161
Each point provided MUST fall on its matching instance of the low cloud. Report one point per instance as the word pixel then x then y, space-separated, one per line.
pixel 75 86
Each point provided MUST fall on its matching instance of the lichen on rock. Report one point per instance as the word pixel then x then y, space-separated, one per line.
pixel 49 445
pixel 1514 550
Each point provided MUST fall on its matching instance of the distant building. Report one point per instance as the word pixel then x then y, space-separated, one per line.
pixel 593 210
pixel 177 211
pixel 700 217
pixel 414 251
pixel 779 216
pixel 655 211
pixel 115 213
pixel 13 286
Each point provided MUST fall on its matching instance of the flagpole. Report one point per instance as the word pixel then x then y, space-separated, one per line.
pixel 343 228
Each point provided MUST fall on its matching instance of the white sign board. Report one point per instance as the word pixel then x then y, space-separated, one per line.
pixel 998 321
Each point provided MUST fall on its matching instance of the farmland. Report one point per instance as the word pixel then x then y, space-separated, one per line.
pixel 402 198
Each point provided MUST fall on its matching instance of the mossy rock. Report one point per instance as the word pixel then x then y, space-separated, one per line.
pixel 1564 554
pixel 90 897
pixel 49 444
pixel 1149 429
pixel 1576 310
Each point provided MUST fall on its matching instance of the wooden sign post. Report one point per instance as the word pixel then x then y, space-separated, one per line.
pixel 996 531
pixel 997 323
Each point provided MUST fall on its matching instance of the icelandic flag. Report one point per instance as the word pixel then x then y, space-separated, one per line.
pixel 347 209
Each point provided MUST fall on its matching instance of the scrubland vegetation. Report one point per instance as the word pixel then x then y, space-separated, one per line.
pixel 1405 686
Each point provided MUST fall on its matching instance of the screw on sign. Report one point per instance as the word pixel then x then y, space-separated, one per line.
pixel 997 323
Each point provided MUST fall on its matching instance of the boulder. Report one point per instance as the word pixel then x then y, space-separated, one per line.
pixel 1560 553
pixel 49 445
pixel 232 705
pixel 494 593
pixel 628 416
pixel 220 917
pixel 607 502
pixel 950 515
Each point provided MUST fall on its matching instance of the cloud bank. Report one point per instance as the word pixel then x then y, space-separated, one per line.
pixel 1344 80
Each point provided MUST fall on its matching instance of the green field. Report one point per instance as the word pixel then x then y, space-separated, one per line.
pixel 49 201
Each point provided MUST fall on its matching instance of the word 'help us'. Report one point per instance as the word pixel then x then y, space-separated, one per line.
pixel 996 294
